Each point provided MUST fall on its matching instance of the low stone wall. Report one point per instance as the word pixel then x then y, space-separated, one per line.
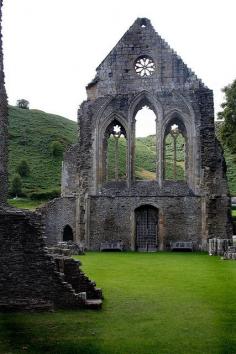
pixel 55 216
pixel 29 278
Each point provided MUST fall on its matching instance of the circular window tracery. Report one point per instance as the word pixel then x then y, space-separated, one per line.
pixel 144 66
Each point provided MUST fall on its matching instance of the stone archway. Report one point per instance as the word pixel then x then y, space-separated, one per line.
pixel 68 233
pixel 146 223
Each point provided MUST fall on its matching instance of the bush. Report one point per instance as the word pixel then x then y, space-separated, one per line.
pixel 228 114
pixel 22 103
pixel 56 149
pixel 23 169
pixel 16 185
pixel 45 195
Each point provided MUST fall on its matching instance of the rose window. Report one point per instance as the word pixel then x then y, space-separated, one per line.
pixel 144 66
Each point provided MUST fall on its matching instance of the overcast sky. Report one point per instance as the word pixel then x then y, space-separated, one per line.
pixel 52 47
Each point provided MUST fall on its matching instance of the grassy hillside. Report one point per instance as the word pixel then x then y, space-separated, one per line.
pixel 145 160
pixel 31 133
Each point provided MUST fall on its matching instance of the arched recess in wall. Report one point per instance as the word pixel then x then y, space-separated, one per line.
pixel 145 166
pixel 68 233
pixel 175 150
pixel 114 152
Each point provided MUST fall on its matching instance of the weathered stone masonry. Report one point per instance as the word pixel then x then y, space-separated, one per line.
pixel 195 209
pixel 33 279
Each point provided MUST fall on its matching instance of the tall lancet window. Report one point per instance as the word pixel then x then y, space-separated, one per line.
pixel 145 145
pixel 175 159
pixel 115 152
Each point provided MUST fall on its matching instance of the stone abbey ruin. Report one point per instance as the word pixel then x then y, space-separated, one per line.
pixel 104 207
pixel 100 205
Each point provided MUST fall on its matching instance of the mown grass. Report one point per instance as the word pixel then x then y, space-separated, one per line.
pixel 24 203
pixel 158 303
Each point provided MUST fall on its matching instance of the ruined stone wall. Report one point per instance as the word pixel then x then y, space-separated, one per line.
pixel 206 175
pixel 175 94
pixel 113 219
pixel 213 172
pixel 28 276
pixel 56 214
pixel 3 125
pixel 69 175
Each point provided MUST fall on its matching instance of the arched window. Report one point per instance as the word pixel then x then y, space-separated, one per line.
pixel 145 144
pixel 175 158
pixel 115 152
pixel 68 233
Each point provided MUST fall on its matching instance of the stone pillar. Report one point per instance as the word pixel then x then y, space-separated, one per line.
pixel 161 231
pixel 3 124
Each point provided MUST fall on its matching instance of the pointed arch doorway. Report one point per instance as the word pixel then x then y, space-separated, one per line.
pixel 68 234
pixel 146 219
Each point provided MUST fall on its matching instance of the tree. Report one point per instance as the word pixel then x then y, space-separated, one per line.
pixel 228 114
pixel 16 185
pixel 23 169
pixel 22 103
pixel 56 148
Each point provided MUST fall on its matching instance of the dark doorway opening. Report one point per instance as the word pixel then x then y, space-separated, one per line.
pixel 68 233
pixel 146 228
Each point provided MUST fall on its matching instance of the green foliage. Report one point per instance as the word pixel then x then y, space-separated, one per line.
pixel 30 134
pixel 16 185
pixel 231 170
pixel 23 169
pixel 56 149
pixel 46 195
pixel 22 103
pixel 160 303
pixel 218 129
pixel 228 132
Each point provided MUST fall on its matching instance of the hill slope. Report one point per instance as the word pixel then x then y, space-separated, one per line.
pixel 32 131
pixel 30 134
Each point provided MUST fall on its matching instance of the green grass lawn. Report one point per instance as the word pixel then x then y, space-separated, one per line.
pixel 25 203
pixel 172 303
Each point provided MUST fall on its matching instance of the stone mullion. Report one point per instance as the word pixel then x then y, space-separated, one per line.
pixel 174 157
pixel 161 154
pixel 157 150
pixel 116 159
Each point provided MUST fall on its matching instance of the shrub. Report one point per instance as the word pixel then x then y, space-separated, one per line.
pixel 56 149
pixel 22 103
pixel 228 114
pixel 46 195
pixel 16 185
pixel 23 169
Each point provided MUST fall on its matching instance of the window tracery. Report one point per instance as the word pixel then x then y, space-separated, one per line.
pixel 175 152
pixel 115 147
pixel 144 66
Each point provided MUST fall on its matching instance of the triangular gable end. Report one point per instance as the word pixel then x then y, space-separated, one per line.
pixel 121 71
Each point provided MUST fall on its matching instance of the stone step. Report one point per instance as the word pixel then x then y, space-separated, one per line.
pixel 95 304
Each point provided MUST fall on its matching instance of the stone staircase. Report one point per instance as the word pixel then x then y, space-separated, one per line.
pixel 74 277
